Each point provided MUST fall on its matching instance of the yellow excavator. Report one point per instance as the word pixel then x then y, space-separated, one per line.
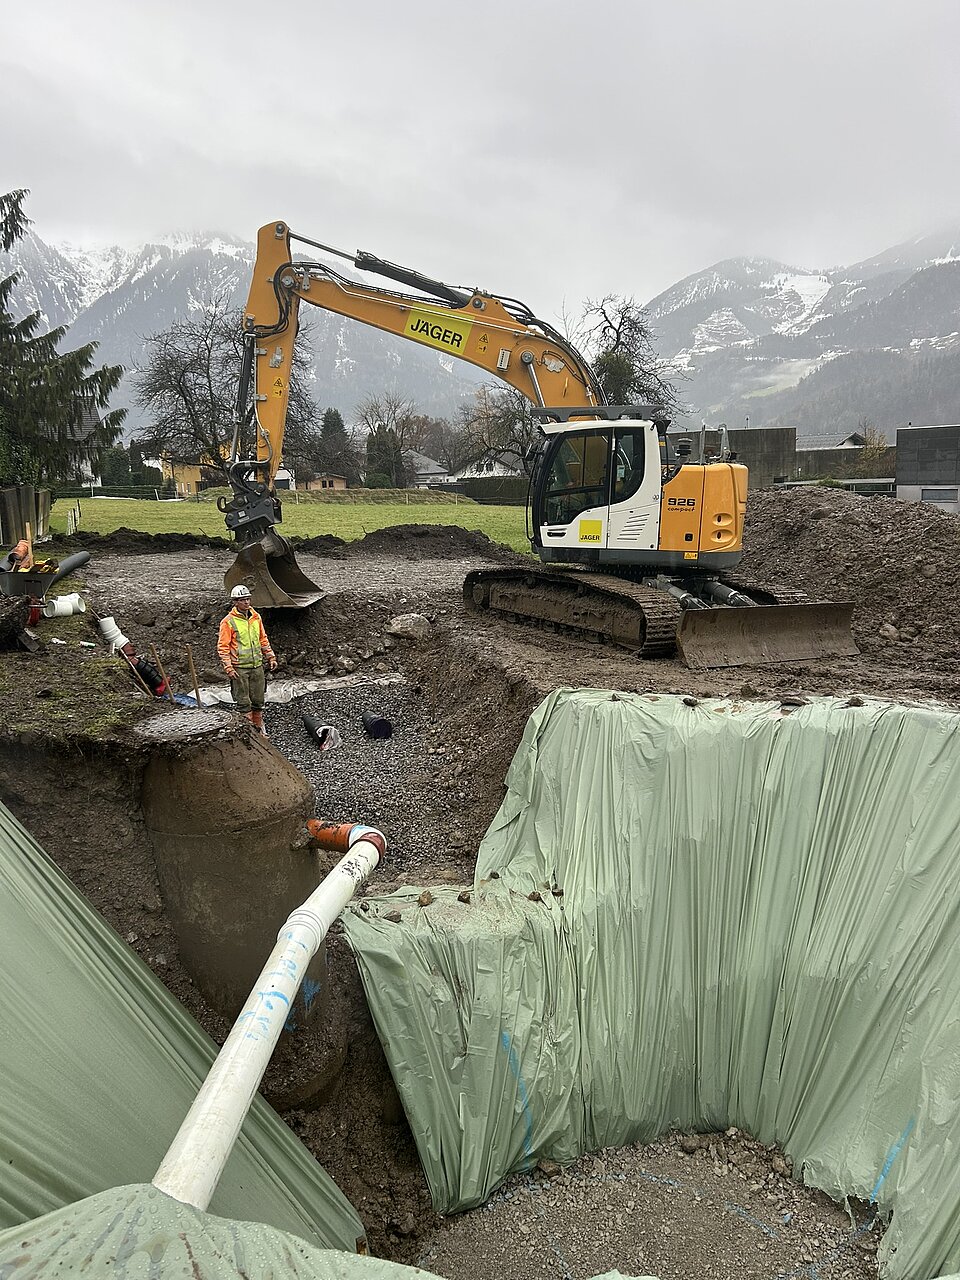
pixel 638 541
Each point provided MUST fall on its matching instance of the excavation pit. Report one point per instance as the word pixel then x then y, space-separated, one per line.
pixel 472 684
pixel 698 916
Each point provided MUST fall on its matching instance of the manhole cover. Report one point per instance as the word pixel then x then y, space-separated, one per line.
pixel 193 722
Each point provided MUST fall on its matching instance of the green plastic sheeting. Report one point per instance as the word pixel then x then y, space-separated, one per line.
pixel 99 1064
pixel 747 916
pixel 137 1233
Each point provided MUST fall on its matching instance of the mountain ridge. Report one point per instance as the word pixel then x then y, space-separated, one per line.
pixel 748 336
pixel 751 336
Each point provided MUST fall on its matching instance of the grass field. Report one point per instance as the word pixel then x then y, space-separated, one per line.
pixel 346 520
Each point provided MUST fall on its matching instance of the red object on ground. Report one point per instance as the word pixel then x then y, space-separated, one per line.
pixel 34 617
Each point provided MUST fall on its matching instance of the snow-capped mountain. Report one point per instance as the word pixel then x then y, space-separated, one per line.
pixel 121 297
pixel 753 336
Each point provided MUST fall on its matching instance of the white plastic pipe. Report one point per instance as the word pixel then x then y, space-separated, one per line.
pixel 64 606
pixel 192 1167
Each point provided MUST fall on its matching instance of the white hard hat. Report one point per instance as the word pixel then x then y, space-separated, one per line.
pixel 240 593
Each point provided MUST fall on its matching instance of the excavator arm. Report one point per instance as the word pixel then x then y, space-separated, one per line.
pixel 497 334
pixel 500 335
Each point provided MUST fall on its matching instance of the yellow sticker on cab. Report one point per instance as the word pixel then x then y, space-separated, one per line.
pixel 590 531
pixel 447 333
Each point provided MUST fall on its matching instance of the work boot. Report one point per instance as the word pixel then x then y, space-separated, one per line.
pixel 256 719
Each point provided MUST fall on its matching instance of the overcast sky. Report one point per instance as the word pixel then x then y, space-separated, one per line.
pixel 547 149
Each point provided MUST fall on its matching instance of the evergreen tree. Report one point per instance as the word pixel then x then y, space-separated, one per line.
pixel 115 467
pixel 385 465
pixel 331 424
pixel 51 404
pixel 338 453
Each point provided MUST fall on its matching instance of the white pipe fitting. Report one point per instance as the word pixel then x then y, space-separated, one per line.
pixel 112 634
pixel 64 606
pixel 192 1167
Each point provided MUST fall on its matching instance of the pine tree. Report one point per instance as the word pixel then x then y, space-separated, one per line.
pixel 337 451
pixel 385 465
pixel 51 403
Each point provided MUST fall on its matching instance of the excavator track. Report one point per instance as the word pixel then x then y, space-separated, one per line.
pixel 592 605
pixel 783 625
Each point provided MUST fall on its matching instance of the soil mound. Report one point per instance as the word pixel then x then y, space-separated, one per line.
pixel 897 562
pixel 438 541
pixel 126 541
pixel 324 544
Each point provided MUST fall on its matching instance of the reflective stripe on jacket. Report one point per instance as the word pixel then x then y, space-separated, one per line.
pixel 243 641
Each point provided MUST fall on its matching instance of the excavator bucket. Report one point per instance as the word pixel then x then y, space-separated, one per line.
pixel 275 579
pixel 766 633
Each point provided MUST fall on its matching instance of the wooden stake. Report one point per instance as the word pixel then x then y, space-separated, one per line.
pixel 193 672
pixel 133 667
pixel 156 658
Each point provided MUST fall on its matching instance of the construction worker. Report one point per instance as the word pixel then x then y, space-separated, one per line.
pixel 243 646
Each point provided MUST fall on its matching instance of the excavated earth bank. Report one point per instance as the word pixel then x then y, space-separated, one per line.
pixel 458 712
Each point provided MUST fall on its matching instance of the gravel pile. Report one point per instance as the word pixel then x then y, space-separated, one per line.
pixel 683 1208
pixel 410 785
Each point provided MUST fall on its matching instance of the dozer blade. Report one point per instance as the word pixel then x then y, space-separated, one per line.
pixel 766 633
pixel 276 581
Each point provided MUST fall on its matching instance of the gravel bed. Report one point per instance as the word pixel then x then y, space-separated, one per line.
pixel 683 1208
pixel 403 785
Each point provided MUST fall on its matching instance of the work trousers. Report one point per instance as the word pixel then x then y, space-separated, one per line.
pixel 248 687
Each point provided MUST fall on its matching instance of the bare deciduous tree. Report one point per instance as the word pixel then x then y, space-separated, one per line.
pixel 188 383
pixel 616 336
pixel 500 421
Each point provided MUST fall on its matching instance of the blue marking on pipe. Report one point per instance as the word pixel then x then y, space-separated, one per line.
pixel 891 1156
pixel 514 1063
pixel 267 996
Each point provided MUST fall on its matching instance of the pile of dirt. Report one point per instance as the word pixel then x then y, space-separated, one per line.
pixel 124 541
pixel 897 562
pixel 324 544
pixel 436 541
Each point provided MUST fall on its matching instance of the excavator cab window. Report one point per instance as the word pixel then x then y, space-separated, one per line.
pixel 578 476
pixel 628 462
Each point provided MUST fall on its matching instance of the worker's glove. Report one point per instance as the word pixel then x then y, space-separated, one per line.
pixel 230 673
pixel 273 664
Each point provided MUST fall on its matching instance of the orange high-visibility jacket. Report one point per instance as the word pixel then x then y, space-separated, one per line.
pixel 243 642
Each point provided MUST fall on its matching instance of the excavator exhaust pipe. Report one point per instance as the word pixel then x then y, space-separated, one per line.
pixel 765 633
pixel 269 568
